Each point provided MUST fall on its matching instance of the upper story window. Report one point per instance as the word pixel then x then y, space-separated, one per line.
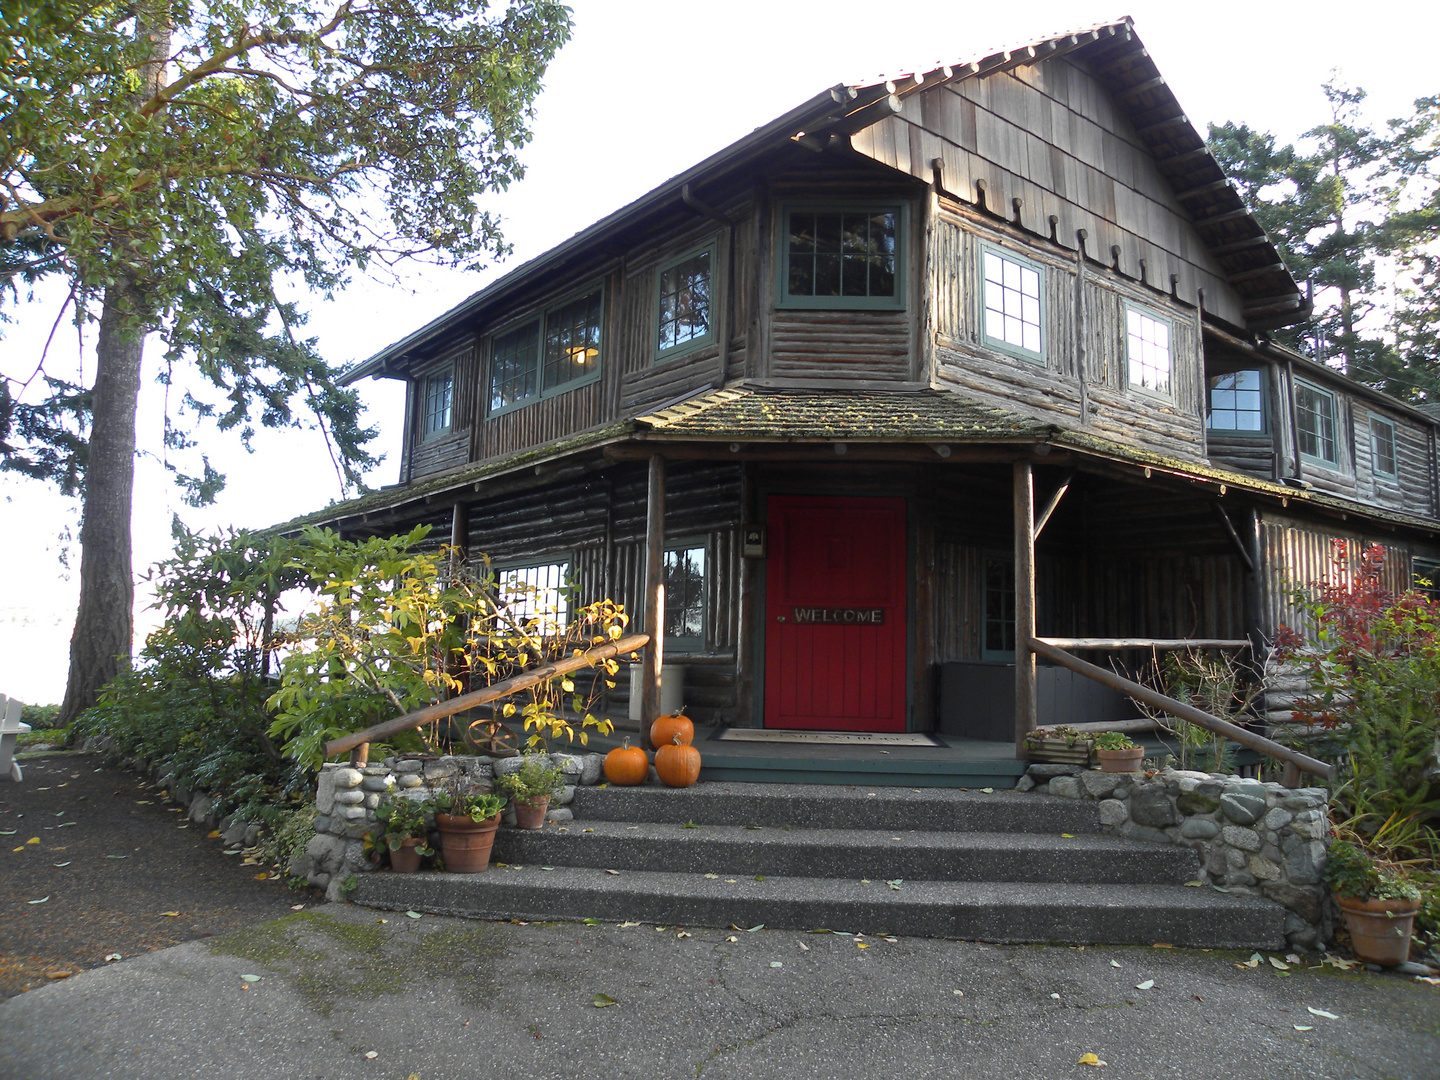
pixel 685 596
pixel 1382 446
pixel 1013 310
pixel 841 257
pixel 1315 423
pixel 1236 402
pixel 1147 351
pixel 684 319
pixel 437 395
pixel 548 354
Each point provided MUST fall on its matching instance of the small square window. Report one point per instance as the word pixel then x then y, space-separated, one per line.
pixel 1236 403
pixel 1013 307
pixel 838 257
pixel 438 394
pixel 1147 351
pixel 1315 423
pixel 536 595
pixel 684 319
pixel 1382 446
pixel 685 597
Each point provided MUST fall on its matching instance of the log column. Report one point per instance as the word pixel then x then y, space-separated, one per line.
pixel 1024 483
pixel 653 664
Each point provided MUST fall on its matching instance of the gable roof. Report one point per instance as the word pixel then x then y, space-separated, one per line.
pixel 1231 234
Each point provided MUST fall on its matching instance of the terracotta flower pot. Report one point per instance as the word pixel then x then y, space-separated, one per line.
pixel 1121 761
pixel 406 858
pixel 530 813
pixel 464 843
pixel 1379 929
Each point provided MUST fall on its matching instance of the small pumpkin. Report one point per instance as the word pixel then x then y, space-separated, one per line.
pixel 677 764
pixel 627 765
pixel 665 728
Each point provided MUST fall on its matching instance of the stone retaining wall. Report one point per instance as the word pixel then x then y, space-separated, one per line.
pixel 346 797
pixel 1251 837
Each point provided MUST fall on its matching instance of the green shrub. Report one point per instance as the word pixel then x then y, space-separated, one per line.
pixel 40 717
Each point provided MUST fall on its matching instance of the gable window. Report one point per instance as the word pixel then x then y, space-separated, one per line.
pixel 436 400
pixel 685 596
pixel 1013 311
pixel 536 595
pixel 841 257
pixel 547 355
pixel 1147 351
pixel 1315 423
pixel 1236 403
pixel 683 321
pixel 998 641
pixel 1382 446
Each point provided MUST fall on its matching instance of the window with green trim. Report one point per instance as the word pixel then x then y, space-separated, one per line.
pixel 685 596
pixel 1236 402
pixel 998 630
pixel 1382 446
pixel 1147 351
pixel 683 318
pixel 841 257
pixel 1014 311
pixel 1315 423
pixel 548 354
pixel 437 395
pixel 536 593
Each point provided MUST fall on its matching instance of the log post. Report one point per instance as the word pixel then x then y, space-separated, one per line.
pixel 1024 483
pixel 653 665
pixel 459 537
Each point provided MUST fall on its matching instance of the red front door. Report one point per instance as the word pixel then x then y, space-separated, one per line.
pixel 835 615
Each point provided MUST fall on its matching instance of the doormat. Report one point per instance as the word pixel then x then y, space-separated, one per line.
pixel 831 738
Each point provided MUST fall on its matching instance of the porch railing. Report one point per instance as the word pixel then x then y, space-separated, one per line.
pixel 1050 649
pixel 358 742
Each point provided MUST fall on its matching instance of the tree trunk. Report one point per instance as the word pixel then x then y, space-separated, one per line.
pixel 104 624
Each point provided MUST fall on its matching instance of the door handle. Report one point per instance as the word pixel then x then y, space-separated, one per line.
pixel 779 618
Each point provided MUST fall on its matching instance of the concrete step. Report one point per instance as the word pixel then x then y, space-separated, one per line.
pixel 987 911
pixel 932 855
pixel 844 807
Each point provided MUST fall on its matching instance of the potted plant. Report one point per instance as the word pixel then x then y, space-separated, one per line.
pixel 467 816
pixel 1061 745
pixel 529 788
pixel 1117 754
pixel 1378 901
pixel 404 834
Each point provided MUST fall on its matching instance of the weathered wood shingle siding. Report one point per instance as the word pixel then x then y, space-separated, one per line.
pixel 1051 136
pixel 1409 489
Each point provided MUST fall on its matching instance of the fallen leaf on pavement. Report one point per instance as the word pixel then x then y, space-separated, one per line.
pixel 58 974
pixel 1091 1059
pixel 250 978
pixel 1278 965
pixel 603 1000
pixel 414 914
pixel 33 840
pixel 776 963
pixel 110 957
pixel 1146 985
pixel 1321 1012
pixel 170 914
pixel 1303 1027
pixel 212 834
pixel 371 1055
pixel 1114 963
pixel 40 901
pixel 1430 980
pixel 615 872
pixel 1162 945
pixel 624 925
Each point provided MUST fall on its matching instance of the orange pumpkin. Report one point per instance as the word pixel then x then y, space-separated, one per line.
pixel 664 730
pixel 627 765
pixel 677 764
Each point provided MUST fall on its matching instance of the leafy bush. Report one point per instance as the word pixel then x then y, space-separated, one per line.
pixel 40 717
pixel 1373 660
pixel 1353 873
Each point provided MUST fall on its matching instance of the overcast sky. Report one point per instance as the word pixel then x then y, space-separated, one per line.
pixel 644 90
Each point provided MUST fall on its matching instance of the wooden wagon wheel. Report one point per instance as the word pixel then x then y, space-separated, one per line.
pixel 494 738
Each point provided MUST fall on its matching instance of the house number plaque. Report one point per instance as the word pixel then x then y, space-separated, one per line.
pixel 841 616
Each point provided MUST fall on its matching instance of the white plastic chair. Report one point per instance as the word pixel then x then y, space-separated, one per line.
pixel 10 727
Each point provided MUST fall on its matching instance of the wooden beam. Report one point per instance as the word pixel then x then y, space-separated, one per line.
pixel 1245 555
pixel 653 666
pixel 1053 503
pixel 1164 644
pixel 1024 516
pixel 1238 245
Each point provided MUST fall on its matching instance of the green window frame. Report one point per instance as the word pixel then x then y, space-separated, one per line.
pixel 437 397
pixel 1012 303
pixel 1425 577
pixel 684 303
pixel 549 354
pixel 997 624
pixel 1235 403
pixel 1149 351
pixel 842 255
pixel 1382 446
pixel 537 589
pixel 686 576
pixel 1315 424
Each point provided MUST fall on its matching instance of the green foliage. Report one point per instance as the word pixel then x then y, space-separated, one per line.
pixel 1114 740
pixel 1355 874
pixel 535 777
pixel 40 717
pixel 399 628
pixel 463 799
pixel 288 830
pixel 190 161
pixel 1059 731
pixel 401 819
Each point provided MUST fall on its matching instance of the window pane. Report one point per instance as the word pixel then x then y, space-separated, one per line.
pixel 1382 440
pixel 438 395
pixel 572 340
pixel 685 593
pixel 1315 422
pixel 538 596
pixel 1148 350
pixel 1012 303
pixel 514 374
pixel 685 302
pixel 1236 402
pixel 842 254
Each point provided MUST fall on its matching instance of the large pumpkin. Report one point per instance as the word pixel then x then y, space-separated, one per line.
pixel 664 730
pixel 677 764
pixel 627 765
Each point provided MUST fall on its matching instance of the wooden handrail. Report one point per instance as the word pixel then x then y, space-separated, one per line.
pixel 1180 709
pixel 504 688
pixel 1145 643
